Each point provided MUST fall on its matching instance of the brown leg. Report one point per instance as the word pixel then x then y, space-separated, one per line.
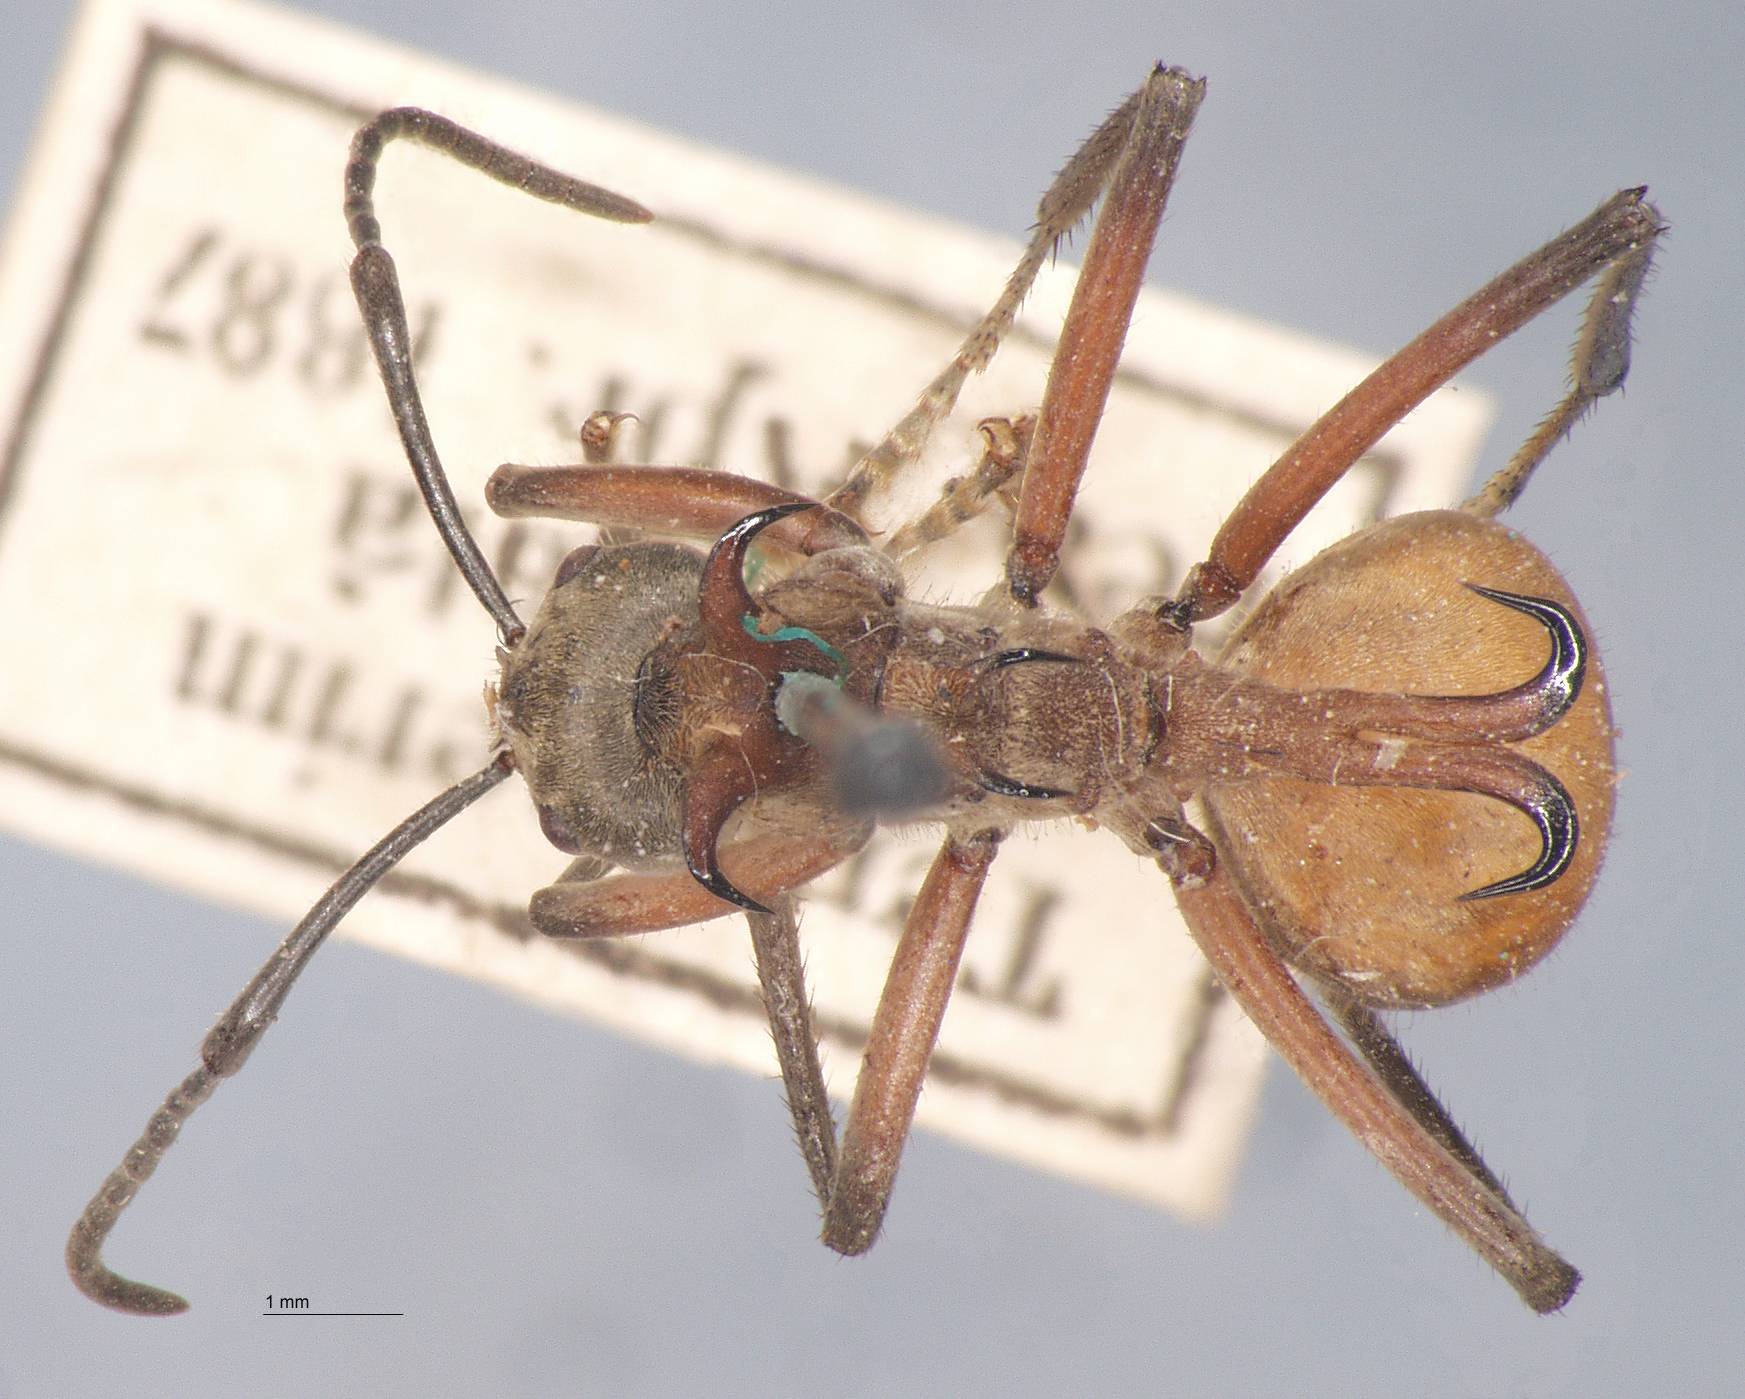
pixel 1462 1198
pixel 1401 1078
pixel 1618 236
pixel 904 1030
pixel 781 974
pixel 672 499
pixel 853 1183
pixel 622 904
pixel 1067 201
pixel 1096 326
pixel 1597 366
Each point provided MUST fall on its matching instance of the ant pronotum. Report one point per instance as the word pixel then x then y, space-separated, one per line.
pixel 1400 796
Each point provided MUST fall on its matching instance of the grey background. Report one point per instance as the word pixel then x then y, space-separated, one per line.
pixel 618 1222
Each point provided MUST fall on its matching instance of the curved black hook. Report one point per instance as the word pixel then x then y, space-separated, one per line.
pixel 1558 685
pixel 1553 813
pixel 706 872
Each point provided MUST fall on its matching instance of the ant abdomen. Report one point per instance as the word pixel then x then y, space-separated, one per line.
pixel 1401 895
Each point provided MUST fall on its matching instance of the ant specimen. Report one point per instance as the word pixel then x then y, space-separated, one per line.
pixel 1400 797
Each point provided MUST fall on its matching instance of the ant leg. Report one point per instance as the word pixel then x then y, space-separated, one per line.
pixel 1067 200
pixel 1395 1069
pixel 681 500
pixel 1616 241
pixel 904 1030
pixel 376 285
pixel 766 866
pixel 703 504
pixel 229 1043
pixel 1089 348
pixel 1005 452
pixel 1597 366
pixel 853 1187
pixel 853 1181
pixel 781 974
pixel 1462 1197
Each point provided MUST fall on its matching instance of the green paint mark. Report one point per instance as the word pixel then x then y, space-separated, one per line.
pixel 805 634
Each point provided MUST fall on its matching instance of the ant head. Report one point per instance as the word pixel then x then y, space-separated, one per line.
pixel 590 711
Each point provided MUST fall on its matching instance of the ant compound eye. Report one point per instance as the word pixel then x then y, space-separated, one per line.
pixel 558 832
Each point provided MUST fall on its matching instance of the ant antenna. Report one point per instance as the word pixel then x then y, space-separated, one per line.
pixel 229 1043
